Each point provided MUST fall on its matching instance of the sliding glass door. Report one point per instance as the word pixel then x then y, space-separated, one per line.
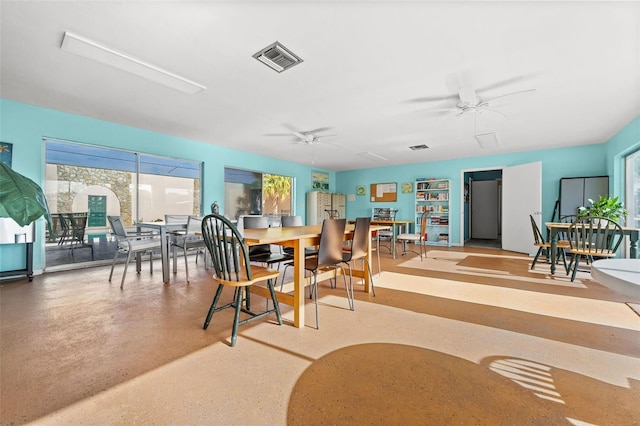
pixel 87 180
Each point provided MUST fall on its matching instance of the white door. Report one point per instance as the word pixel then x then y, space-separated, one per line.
pixel 521 197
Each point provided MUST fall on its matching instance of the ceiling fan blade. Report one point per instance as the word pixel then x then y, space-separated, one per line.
pixel 505 82
pixel 277 134
pixel 438 111
pixel 319 129
pixel 300 135
pixel 290 127
pixel 468 95
pixel 433 98
pixel 490 101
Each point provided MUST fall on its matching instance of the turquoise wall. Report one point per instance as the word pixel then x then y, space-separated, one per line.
pixel 25 126
pixel 585 160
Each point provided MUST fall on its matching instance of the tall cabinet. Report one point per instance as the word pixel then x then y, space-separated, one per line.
pixel 432 196
pixel 325 205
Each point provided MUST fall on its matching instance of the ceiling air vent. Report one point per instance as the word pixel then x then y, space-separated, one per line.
pixel 418 147
pixel 277 57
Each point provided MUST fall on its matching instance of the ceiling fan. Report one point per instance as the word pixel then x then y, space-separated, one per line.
pixel 467 100
pixel 307 137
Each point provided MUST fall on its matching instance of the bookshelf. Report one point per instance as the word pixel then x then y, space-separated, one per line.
pixel 432 196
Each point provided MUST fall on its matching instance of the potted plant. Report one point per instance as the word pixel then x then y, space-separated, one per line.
pixel 21 199
pixel 609 207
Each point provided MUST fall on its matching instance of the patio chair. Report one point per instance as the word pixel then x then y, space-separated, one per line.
pixel 131 243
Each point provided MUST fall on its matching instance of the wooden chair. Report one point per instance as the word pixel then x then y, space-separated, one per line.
pixel 233 268
pixel 358 250
pixel 130 244
pixel 417 238
pixel 544 247
pixel 593 237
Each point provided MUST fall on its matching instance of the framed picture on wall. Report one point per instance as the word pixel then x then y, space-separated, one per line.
pixel 320 180
pixel 6 151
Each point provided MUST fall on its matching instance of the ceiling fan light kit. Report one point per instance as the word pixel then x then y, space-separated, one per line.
pixel 89 49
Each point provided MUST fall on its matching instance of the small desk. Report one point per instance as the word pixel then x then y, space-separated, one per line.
pixel 299 237
pixel 164 229
pixel 395 226
pixel 555 227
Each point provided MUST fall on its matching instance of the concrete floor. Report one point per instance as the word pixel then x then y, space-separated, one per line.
pixel 467 336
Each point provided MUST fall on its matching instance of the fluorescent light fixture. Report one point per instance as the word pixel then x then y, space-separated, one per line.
pixel 487 140
pixel 91 50
pixel 372 156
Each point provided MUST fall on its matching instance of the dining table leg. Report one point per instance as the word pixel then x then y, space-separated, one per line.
pixel 298 284
pixel 164 251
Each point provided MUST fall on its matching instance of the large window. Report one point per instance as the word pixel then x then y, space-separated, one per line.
pixel 633 189
pixel 101 181
pixel 254 193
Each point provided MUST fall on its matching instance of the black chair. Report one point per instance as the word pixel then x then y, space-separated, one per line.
pixel 593 237
pixel 230 258
pixel 329 257
pixel 262 253
pixel 291 221
pixel 544 247
pixel 188 241
pixel 130 244
pixel 358 250
pixel 76 231
pixel 287 221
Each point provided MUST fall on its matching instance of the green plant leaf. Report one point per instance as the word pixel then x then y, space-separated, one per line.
pixel 22 199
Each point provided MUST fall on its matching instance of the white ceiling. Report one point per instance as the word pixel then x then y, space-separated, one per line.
pixel 363 64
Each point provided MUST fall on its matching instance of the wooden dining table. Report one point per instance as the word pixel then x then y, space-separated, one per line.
pixel 397 227
pixel 556 227
pixel 299 237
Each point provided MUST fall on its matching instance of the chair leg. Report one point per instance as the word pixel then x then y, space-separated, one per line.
pixel 276 306
pixel 348 287
pixel 126 265
pixel 213 306
pixel 575 267
pixel 186 266
pixel 113 264
pixel 236 318
pixel 535 259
